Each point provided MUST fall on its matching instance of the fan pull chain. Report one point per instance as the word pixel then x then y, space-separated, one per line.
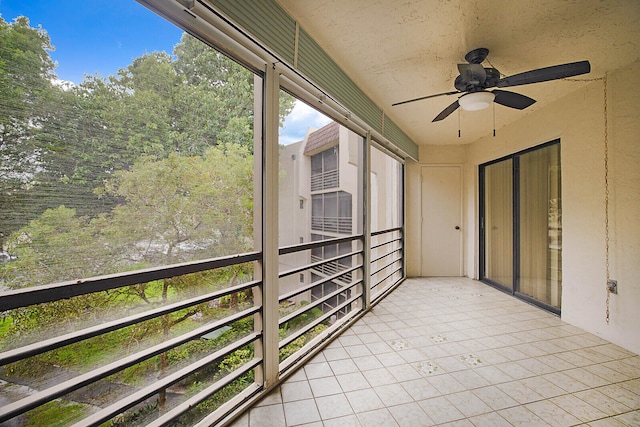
pixel 606 196
pixel 494 119
pixel 458 122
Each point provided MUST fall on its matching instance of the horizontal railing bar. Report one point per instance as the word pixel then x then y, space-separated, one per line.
pixel 73 337
pixel 382 293
pixel 169 417
pixel 287 363
pixel 373 273
pixel 386 277
pixel 163 383
pixel 294 336
pixel 54 292
pixel 316 303
pixel 386 255
pixel 311 285
pixel 377 245
pixel 389 230
pixel 42 397
pixel 215 417
pixel 316 264
pixel 299 247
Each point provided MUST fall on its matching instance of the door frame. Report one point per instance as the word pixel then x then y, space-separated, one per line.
pixel 515 199
pixel 423 241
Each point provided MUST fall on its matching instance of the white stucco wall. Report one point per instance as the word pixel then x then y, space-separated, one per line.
pixel 578 120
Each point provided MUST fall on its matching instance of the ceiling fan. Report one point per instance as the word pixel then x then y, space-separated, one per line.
pixel 474 80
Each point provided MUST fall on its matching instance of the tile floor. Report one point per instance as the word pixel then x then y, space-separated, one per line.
pixel 455 352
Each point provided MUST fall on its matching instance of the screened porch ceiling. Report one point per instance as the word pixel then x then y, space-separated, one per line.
pixel 398 50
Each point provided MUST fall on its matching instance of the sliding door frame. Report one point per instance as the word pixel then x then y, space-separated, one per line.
pixel 515 199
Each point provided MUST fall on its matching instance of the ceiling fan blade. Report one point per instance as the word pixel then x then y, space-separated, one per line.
pixel 545 74
pixel 512 99
pixel 425 97
pixel 472 73
pixel 445 113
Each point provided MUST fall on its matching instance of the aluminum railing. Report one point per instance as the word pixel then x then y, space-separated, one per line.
pixel 315 322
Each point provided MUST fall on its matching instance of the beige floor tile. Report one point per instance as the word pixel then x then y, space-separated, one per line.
pixel 519 392
pixel 491 419
pixel 334 406
pixel 332 354
pixel 353 381
pixel 564 381
pixel 621 366
pixel 446 384
pixel 520 416
pixel 378 417
pixel 298 390
pixel 493 374
pixel 364 400
pixel 606 422
pixel 343 366
pixel 619 393
pixel 420 389
pixel 515 370
pixel 543 387
pixel 301 412
pixel 346 421
pixel 468 403
pixel 470 379
pixel 578 408
pixel 612 375
pixel 393 394
pixel 602 402
pixel 380 376
pixel 435 353
pixel 586 377
pixel 630 419
pixel 495 398
pixel 272 398
pixel 364 363
pixel 267 416
pixel 318 370
pixel 411 414
pixel 325 386
pixel 404 372
pixel 552 413
pixel 440 410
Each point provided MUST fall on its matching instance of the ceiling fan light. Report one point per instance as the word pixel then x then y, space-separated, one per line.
pixel 476 100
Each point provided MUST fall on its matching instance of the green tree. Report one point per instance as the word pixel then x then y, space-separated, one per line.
pixel 25 97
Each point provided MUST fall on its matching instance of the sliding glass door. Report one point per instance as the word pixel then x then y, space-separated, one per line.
pixel 498 196
pixel 521 225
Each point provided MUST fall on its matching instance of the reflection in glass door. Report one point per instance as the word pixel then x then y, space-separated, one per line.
pixel 540 225
pixel 521 225
pixel 498 203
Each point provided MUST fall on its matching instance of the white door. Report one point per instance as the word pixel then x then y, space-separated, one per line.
pixel 441 221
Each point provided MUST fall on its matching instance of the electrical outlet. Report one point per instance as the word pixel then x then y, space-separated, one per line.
pixel 613 286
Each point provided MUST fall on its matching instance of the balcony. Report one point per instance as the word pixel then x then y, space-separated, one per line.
pixel 452 350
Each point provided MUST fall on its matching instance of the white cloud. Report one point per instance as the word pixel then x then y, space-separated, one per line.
pixel 298 121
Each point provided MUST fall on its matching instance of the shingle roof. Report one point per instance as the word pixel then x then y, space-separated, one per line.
pixel 324 136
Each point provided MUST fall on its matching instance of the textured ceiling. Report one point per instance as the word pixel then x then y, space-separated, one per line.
pixel 397 50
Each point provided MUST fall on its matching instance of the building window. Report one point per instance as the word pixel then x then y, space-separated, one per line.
pixel 331 212
pixel 324 170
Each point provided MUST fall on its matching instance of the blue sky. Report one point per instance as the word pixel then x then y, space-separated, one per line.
pixel 92 36
pixel 102 36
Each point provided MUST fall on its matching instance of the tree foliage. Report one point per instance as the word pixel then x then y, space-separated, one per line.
pixel 58 143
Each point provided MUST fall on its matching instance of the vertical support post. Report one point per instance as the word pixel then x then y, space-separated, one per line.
pixel 403 216
pixel 258 204
pixel 270 227
pixel 365 194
